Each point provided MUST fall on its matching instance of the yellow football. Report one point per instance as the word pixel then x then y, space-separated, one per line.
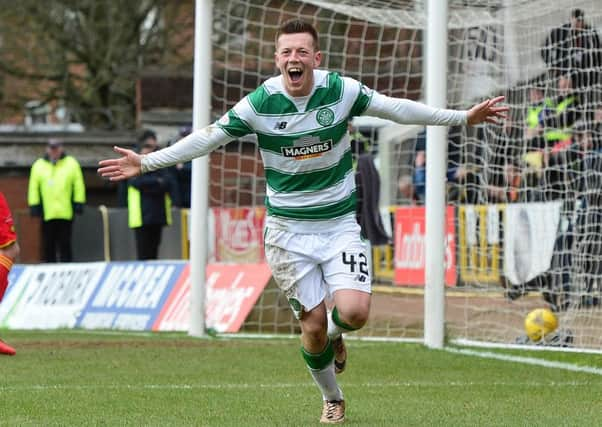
pixel 539 323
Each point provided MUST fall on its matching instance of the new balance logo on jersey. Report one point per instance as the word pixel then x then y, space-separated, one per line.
pixel 280 125
pixel 307 151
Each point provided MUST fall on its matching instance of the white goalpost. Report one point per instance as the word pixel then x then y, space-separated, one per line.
pixel 436 152
pixel 499 221
pixel 203 19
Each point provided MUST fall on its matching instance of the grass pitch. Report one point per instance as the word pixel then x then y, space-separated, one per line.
pixel 78 379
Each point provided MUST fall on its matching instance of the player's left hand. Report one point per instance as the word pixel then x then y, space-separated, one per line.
pixel 487 111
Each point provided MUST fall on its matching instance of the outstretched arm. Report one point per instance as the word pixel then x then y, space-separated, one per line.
pixel 405 111
pixel 130 164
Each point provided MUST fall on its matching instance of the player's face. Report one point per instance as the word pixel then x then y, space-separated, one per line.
pixel 296 57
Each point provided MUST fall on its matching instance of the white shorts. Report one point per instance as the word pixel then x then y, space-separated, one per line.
pixel 309 267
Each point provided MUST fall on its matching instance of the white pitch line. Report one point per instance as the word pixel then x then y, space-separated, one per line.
pixel 248 386
pixel 463 342
pixel 526 360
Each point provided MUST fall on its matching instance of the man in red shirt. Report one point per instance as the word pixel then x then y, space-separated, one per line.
pixel 9 250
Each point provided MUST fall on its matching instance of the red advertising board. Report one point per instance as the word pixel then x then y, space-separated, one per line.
pixel 232 291
pixel 239 234
pixel 410 247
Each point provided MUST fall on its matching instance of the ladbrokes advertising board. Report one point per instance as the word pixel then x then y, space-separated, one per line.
pixel 232 291
pixel 410 233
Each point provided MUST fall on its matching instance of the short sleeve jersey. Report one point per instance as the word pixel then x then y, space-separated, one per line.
pixel 304 145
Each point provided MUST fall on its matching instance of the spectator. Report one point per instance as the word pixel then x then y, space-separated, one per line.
pixel 181 173
pixel 149 137
pixel 575 265
pixel 533 130
pixel 571 173
pixel 56 192
pixel 596 127
pixel 457 174
pixel 405 186
pixel 588 183
pixel 535 141
pixel 9 251
pixel 149 203
pixel 503 173
pixel 558 114
pixel 556 117
pixel 367 181
pixel 360 144
pixel 548 136
pixel 574 50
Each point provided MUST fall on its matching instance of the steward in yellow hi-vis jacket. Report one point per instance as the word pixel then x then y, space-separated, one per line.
pixel 56 192
pixel 150 198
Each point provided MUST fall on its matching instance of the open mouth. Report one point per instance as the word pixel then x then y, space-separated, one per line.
pixel 295 74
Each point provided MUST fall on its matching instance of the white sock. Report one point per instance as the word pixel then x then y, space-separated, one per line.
pixel 327 382
pixel 334 330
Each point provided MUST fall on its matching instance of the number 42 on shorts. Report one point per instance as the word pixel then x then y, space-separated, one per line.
pixel 356 262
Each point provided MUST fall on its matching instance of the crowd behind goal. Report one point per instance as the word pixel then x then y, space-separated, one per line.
pixel 550 149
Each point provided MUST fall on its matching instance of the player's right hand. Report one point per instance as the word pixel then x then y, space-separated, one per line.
pixel 125 167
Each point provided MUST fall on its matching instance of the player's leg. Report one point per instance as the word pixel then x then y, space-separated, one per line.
pixel 348 278
pixel 350 313
pixel 8 254
pixel 318 353
pixel 300 278
pixel 9 250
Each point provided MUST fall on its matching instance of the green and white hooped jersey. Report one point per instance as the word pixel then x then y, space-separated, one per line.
pixel 305 148
pixel 304 145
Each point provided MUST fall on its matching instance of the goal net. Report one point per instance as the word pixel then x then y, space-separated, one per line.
pixel 524 218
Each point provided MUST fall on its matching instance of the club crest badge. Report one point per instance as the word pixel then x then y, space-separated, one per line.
pixel 325 116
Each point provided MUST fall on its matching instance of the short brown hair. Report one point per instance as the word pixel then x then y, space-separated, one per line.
pixel 296 26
